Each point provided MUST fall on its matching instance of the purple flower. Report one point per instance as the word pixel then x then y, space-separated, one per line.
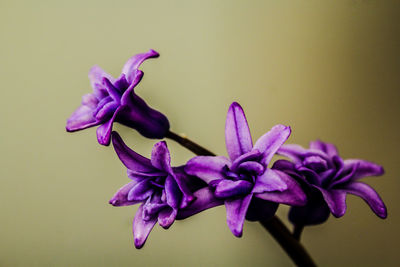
pixel 243 182
pixel 327 179
pixel 115 100
pixel 160 188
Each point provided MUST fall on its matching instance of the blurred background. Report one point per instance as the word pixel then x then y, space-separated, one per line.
pixel 329 69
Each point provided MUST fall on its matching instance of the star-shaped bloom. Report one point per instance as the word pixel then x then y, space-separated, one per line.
pixel 161 189
pixel 243 182
pixel 327 179
pixel 114 100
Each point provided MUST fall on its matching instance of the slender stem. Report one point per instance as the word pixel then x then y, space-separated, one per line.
pixel 192 146
pixel 298 229
pixel 292 246
pixel 274 225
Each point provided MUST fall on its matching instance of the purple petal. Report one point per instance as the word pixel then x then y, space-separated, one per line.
pixel 311 176
pixel 172 192
pixel 237 132
pixel 166 217
pixel 327 148
pixel 270 180
pixel 82 118
pixel 182 179
pixel 228 188
pixel 107 111
pixel 207 168
pixel 121 83
pixel 315 163
pixel 364 168
pixel 205 199
pixel 160 157
pixel 236 210
pixel 293 195
pixel 96 75
pixel 270 142
pixel 336 200
pixel 121 197
pixel 104 131
pixel 140 192
pixel 342 180
pixel 370 196
pixel 141 228
pixel 297 153
pixel 151 209
pixel 112 91
pixel 251 167
pixel 253 155
pixel 130 158
pixel 134 62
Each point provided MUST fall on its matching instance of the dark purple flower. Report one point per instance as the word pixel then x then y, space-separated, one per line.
pixel 243 182
pixel 114 100
pixel 160 188
pixel 327 179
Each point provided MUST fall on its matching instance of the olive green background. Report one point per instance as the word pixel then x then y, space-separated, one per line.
pixel 329 69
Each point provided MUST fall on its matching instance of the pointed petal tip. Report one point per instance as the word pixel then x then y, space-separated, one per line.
pixel 138 243
pixel 154 53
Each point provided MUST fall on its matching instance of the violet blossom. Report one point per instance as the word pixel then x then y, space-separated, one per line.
pixel 160 188
pixel 327 179
pixel 114 100
pixel 243 182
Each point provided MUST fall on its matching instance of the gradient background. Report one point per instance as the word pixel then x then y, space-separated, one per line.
pixel 330 69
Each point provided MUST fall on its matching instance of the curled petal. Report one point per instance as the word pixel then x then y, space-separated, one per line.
pixel 228 188
pixel 172 192
pixel 166 217
pixel 364 168
pixel 160 157
pixel 140 192
pixel 132 160
pixel 142 228
pixel 253 155
pixel 82 118
pixel 251 167
pixel 115 93
pixel 204 199
pixel 327 148
pixel 96 75
pixel 121 197
pixel 370 196
pixel 269 143
pixel 151 209
pixel 134 62
pixel 103 132
pixel 292 195
pixel 237 132
pixel 270 180
pixel 207 168
pixel 336 200
pixel 236 210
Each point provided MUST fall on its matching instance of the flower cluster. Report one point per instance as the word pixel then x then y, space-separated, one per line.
pixel 314 181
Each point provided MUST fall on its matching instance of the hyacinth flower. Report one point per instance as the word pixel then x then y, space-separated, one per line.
pixel 327 179
pixel 159 188
pixel 243 182
pixel 114 100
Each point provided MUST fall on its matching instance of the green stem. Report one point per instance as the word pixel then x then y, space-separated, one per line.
pixel 274 225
